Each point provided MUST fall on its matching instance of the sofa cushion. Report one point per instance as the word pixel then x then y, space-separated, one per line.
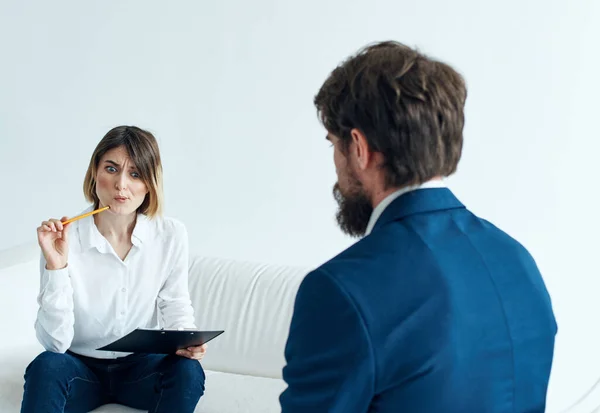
pixel 19 286
pixel 225 392
pixel 236 393
pixel 253 303
pixel 14 360
pixel 229 393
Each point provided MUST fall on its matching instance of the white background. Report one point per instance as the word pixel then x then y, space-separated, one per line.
pixel 227 88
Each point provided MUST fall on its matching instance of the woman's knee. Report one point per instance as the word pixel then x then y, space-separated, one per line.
pixel 48 364
pixel 190 370
pixel 188 373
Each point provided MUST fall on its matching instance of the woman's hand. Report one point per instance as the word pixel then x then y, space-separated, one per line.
pixel 194 353
pixel 53 240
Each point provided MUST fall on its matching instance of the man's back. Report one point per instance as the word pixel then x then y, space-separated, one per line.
pixel 435 311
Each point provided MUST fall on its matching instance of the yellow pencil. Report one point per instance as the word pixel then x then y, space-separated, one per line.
pixel 68 221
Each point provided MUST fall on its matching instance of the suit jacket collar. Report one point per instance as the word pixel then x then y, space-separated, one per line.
pixel 378 210
pixel 419 201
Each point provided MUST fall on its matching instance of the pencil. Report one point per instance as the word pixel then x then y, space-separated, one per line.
pixel 68 221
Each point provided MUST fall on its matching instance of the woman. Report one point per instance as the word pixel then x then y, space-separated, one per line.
pixel 104 276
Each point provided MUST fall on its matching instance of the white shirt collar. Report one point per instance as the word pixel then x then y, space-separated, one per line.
pixel 91 237
pixel 435 183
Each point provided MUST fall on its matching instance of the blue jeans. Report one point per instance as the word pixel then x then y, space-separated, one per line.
pixel 72 383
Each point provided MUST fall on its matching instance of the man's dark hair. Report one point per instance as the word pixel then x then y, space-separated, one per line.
pixel 409 107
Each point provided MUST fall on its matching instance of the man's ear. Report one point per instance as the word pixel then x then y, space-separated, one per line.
pixel 360 149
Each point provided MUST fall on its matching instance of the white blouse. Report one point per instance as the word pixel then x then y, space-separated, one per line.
pixel 99 298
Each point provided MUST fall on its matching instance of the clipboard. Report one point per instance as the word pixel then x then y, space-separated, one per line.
pixel 150 341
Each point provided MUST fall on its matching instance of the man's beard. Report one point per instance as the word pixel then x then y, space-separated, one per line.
pixel 354 209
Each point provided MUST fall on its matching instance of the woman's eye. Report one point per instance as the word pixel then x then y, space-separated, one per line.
pixel 135 175
pixel 111 169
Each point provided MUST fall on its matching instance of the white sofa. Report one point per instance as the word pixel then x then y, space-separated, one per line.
pixel 252 302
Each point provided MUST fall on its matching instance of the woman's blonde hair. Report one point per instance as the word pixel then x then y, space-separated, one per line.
pixel 143 150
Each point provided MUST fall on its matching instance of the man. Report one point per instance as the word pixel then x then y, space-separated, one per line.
pixel 435 310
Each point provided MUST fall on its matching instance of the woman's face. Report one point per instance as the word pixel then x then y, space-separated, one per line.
pixel 118 183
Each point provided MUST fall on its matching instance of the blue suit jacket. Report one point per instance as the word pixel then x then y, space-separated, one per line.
pixel 436 311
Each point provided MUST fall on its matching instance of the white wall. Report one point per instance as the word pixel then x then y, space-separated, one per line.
pixel 227 88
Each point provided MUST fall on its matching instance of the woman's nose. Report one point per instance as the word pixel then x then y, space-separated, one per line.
pixel 121 182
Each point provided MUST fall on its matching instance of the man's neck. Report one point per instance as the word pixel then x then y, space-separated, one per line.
pixel 379 196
